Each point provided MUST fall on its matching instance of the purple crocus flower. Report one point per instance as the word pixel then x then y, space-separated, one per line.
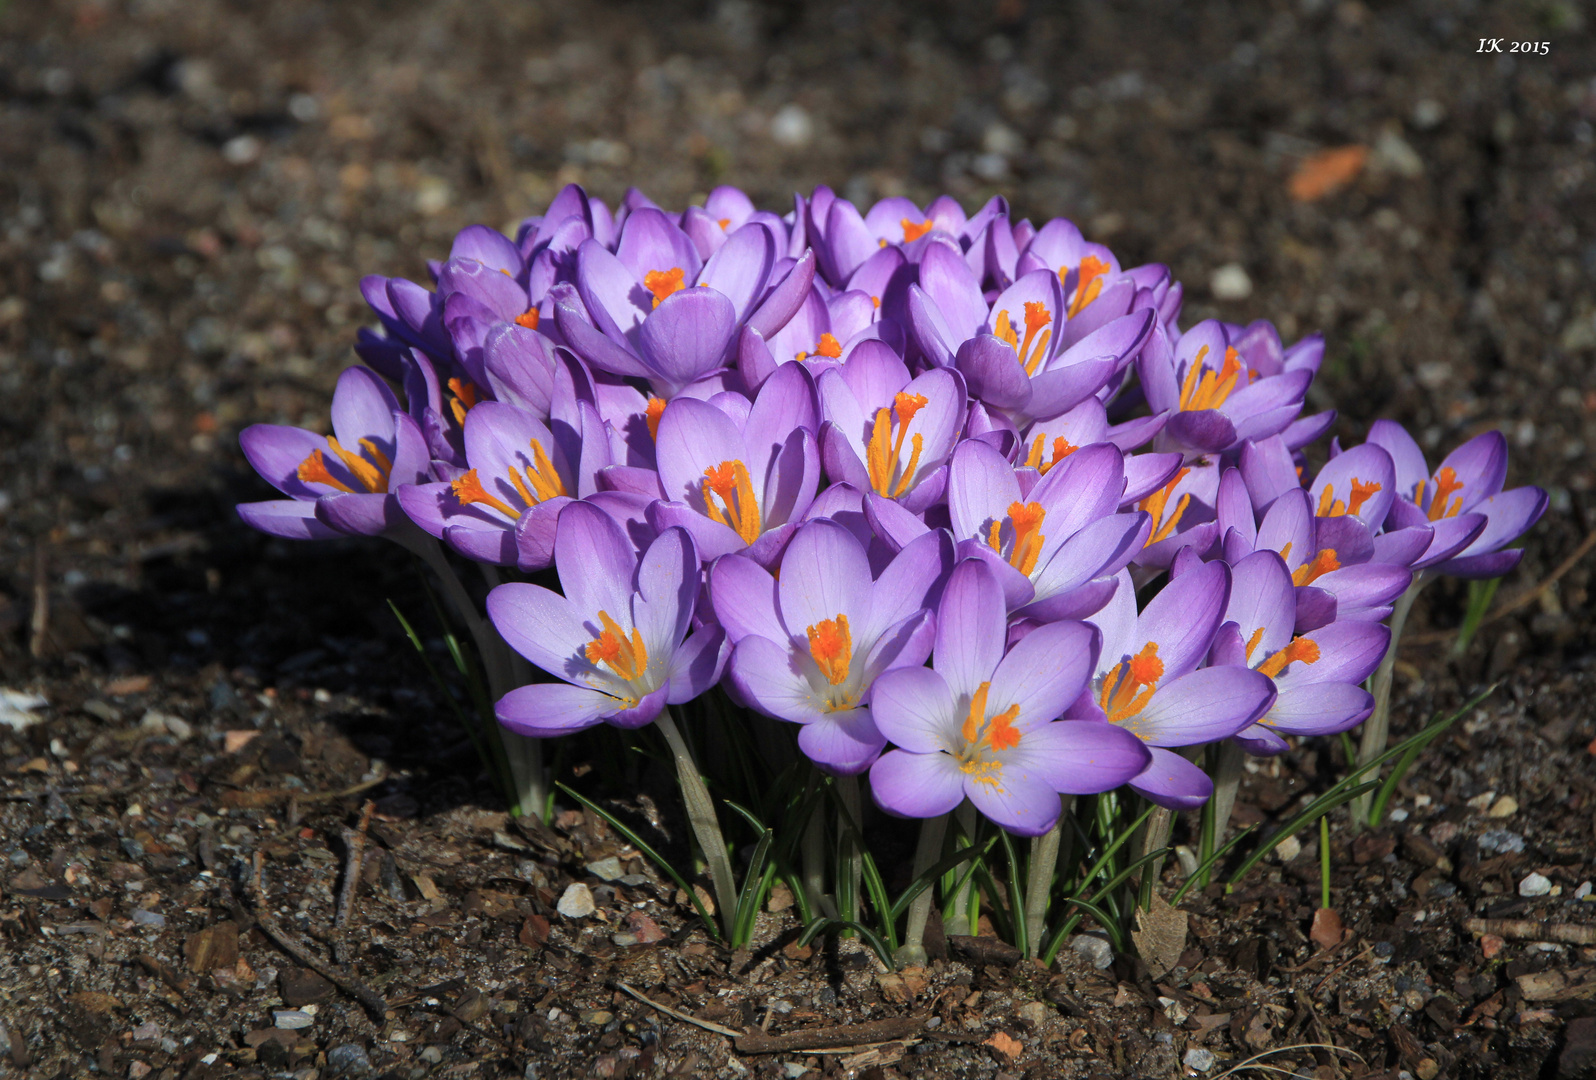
pixel 1214 400
pixel 1469 481
pixel 1316 675
pixel 979 723
pixel 341 484
pixel 621 637
pixel 1149 681
pixel 740 476
pixel 504 506
pixel 1056 543
pixel 810 646
pixel 887 433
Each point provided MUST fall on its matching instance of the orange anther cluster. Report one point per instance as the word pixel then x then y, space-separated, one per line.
pixel 1062 448
pixel 1037 334
pixel 913 230
pixel 371 467
pixel 1300 649
pixel 1441 504
pixel 831 645
pixel 540 483
pixel 1207 389
pixel 528 318
pixel 663 283
pixel 739 510
pixel 655 409
pixel 881 456
pixel 1321 564
pixel 1252 642
pixel 1362 492
pixel 1129 685
pixel 627 656
pixel 1089 283
pixel 465 398
pixel 980 731
pixel 468 489
pixel 1026 520
pixel 1158 502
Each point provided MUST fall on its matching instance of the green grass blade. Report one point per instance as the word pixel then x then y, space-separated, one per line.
pixel 825 925
pixel 1113 848
pixel 1481 593
pixel 642 845
pixel 1209 863
pixel 756 882
pixel 1000 914
pixel 1307 816
pixel 929 878
pixel 1016 894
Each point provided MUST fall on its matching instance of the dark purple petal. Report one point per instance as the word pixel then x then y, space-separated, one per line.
pixel 291 519
pixel 1318 709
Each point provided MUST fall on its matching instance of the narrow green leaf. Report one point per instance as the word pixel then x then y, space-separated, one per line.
pixel 929 878
pixel 1481 593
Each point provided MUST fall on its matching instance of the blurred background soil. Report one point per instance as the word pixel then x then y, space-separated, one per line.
pixel 190 191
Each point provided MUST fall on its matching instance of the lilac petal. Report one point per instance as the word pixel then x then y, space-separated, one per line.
pixel 1259 741
pixel 535 532
pixel 1402 546
pixel 952 286
pixel 276 451
pixel 643 712
pixel 1045 672
pixel 754 359
pixel 1101 549
pixel 1269 471
pixel 1082 757
pixel 1365 586
pixel 1481 465
pixel 1406 456
pixel 970 628
pixel 1233 509
pixel 1146 473
pixel 694 436
pixel 542 626
pixel 1316 607
pixel 914 709
pixel 1289 520
pixel 1063 388
pixel 1262 598
pixel 360 514
pixel 651 241
pixel 363 408
pixel 744 596
pixel 1349 652
pixel 1308 429
pixel 292 519
pixel 916 785
pixel 497 294
pixel 487 246
pixel 792 480
pixel 1510 515
pixel 1452 535
pixel 993 372
pixel 1018 590
pixel 931 331
pixel 545 710
pixel 479 541
pixel 1182 618
pixel 521 362
pixel 1204 430
pixel 1482 567
pixel 1086 486
pixel 912 580
pixel 687 335
pixel 1173 782
pixel 595 347
pixel 740 268
pixel 596 562
pixel 1348 537
pixel 848 242
pixel 1366 464
pixel 981 486
pixel 667 588
pixel 768 677
pixel 1319 709
pixel 712 538
pixel 844 743
pixel 838 456
pixel 612 293
pixel 1077 602
pixel 1016 799
pixel 892 522
pixel 787 401
pixel 696 665
pixel 1202 706
pixel 824 575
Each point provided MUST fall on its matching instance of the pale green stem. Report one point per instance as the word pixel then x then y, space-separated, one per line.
pixel 926 854
pixel 959 924
pixel 1039 884
pixel 524 753
pixel 1228 760
pixel 852 864
pixel 701 816
pixel 1377 728
pixel 814 866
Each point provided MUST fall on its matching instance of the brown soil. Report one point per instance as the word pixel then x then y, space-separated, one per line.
pixel 190 193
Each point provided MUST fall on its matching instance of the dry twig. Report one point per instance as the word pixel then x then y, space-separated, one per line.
pixel 297 949
pixel 1531 930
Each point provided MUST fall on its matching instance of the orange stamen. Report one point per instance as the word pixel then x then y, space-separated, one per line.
pixel 979 730
pixel 1062 448
pixel 882 458
pixel 528 318
pixel 1309 572
pixel 730 480
pixel 1156 503
pixel 663 283
pixel 831 645
pixel 1206 389
pixel 468 489
pixel 1027 521
pixel 1129 685
pixel 627 657
pixel 1033 347
pixel 465 398
pixel 655 409
pixel 1362 492
pixel 724 223
pixel 373 477
pixel 1441 504
pixel 1300 649
pixel 1089 285
pixel 1252 642
pixel 313 470
pixel 912 231
pixel 829 347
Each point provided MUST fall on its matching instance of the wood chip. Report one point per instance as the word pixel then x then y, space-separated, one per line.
pixel 212 948
pixel 1327 172
pixel 1005 1044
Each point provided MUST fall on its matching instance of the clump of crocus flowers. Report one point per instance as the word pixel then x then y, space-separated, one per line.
pixel 952 494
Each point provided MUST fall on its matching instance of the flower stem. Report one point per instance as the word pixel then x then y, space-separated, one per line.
pixel 1228 758
pixel 1324 860
pixel 814 865
pixel 852 864
pixel 1377 728
pixel 959 922
pixel 926 854
pixel 701 816
pixel 1039 882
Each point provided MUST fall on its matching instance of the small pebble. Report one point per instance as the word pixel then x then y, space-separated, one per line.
pixel 576 902
pixel 792 1070
pixel 596 1017
pixel 348 1059
pixel 432 1055
pixel 1583 891
pixel 147 1030
pixel 1482 801
pixel 1230 282
pixel 1500 842
pixel 1535 885
pixel 624 939
pixel 148 918
pixel 1491 945
pixel 1094 950
pixel 607 869
pixel 1198 1059
pixel 292 1019
pixel 1288 849
pixel 1505 807
pixel 1034 1012
pixel 1399 814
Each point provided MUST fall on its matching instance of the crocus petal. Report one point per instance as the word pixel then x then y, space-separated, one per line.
pixel 1406 456
pixel 916 785
pixel 1481 465
pixel 1202 706
pixel 970 625
pixel 542 626
pixel 766 674
pixel 1016 799
pixel 1182 618
pixel 545 710
pixel 1318 709
pixel 292 519
pixel 697 665
pixel 687 335
pixel 844 743
pixel 1045 672
pixel 915 709
pixel 1082 757
pixel 1173 782
pixel 825 575
pixel 360 514
pixel 596 562
pixel 744 595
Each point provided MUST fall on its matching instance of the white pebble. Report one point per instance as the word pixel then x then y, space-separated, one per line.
pixel 1198 1059
pixel 292 1019
pixel 577 902
pixel 1094 950
pixel 1535 885
pixel 791 126
pixel 1583 891
pixel 1288 849
pixel 1230 282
